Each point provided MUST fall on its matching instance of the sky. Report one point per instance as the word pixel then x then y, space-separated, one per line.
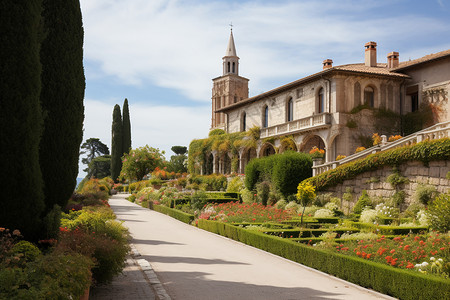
pixel 163 54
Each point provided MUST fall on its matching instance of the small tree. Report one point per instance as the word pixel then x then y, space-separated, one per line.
pixel 100 167
pixel 93 147
pixel 139 162
pixel 116 143
pixel 126 141
pixel 179 150
pixel 305 195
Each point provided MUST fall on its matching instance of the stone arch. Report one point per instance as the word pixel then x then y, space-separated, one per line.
pixel 371 95
pixel 312 141
pixel 246 156
pixel 209 164
pixel 287 143
pixel 267 149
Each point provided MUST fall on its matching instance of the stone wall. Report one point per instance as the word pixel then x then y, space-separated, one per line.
pixel 376 185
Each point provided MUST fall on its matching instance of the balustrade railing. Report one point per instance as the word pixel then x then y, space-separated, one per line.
pixel 434 132
pixel 296 125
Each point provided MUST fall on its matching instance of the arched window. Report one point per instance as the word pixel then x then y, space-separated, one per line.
pixel 290 110
pixel 265 121
pixel 244 122
pixel 321 101
pixel 234 67
pixel 228 67
pixel 369 96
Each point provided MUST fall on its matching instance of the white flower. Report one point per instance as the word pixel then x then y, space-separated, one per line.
pixel 432 258
pixel 424 264
pixel 440 259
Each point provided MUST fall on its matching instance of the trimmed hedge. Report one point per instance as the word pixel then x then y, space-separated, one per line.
pixel 404 284
pixel 391 230
pixel 425 152
pixel 174 213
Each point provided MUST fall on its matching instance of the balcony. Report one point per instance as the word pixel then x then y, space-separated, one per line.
pixel 296 126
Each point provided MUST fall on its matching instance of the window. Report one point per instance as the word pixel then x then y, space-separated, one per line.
pixel 290 110
pixel 244 122
pixel 234 67
pixel 235 99
pixel 369 96
pixel 321 101
pixel 414 102
pixel 228 67
pixel 265 121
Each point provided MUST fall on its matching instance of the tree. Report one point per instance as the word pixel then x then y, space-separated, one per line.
pixel 116 143
pixel 100 167
pixel 139 162
pixel 62 95
pixel 177 162
pixel 93 148
pixel 126 128
pixel 22 202
pixel 179 150
pixel 306 193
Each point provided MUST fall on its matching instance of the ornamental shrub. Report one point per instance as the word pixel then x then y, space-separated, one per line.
pixel 439 213
pixel 281 204
pixel 363 201
pixel 236 184
pixel 368 215
pixel 424 193
pixel 290 168
pixel 263 190
pixel 323 213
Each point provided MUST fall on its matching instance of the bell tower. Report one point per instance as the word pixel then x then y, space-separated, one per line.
pixel 229 88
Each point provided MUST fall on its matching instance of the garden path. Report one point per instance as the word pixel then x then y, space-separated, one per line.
pixel 195 264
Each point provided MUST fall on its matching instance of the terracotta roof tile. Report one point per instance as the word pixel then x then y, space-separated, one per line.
pixel 426 58
pixel 380 69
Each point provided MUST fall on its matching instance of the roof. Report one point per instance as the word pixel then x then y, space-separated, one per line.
pixel 231 49
pixel 361 68
pixel 424 59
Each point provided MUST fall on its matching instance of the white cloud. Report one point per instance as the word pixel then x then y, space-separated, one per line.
pixel 157 126
pixel 179 44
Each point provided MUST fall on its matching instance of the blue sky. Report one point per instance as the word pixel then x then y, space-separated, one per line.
pixel 162 54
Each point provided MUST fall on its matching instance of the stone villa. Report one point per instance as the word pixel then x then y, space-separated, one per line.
pixel 332 109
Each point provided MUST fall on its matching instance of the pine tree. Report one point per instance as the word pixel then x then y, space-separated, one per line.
pixel 116 143
pixel 126 127
pixel 21 200
pixel 62 95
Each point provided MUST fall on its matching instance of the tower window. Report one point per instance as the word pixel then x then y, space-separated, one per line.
pixel 369 96
pixel 234 67
pixel 228 67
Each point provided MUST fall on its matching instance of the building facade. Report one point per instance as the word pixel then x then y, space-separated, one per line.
pixel 336 109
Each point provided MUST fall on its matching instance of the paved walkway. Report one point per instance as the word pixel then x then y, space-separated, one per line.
pixel 195 264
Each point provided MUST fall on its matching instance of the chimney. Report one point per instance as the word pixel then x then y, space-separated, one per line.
pixel 392 59
pixel 327 63
pixel 370 59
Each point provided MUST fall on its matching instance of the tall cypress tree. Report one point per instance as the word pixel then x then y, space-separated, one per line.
pixel 126 127
pixel 116 143
pixel 21 200
pixel 62 95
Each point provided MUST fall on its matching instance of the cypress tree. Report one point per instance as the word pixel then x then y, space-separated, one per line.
pixel 116 143
pixel 21 200
pixel 62 95
pixel 126 127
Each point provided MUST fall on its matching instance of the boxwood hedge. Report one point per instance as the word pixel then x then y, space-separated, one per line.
pixel 174 213
pixel 403 284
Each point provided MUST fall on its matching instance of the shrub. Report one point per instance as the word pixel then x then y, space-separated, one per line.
pixel 247 196
pixel 263 190
pixel 424 193
pixel 363 201
pixel 438 211
pixel 292 206
pixel 236 184
pixel 289 170
pixel 198 200
pixel 368 215
pixel 323 213
pixel 26 250
pixel 396 179
pixel 281 204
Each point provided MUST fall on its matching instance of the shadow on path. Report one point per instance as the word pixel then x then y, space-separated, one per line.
pixel 224 290
pixel 153 242
pixel 189 260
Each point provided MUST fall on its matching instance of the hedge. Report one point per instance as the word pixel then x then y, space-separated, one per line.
pixel 391 230
pixel 174 213
pixel 403 284
pixel 425 152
